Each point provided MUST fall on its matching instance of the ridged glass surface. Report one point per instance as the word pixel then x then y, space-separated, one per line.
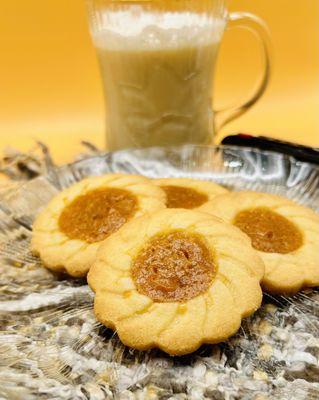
pixel 52 347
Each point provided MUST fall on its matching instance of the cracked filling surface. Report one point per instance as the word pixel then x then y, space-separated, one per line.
pixel 183 197
pixel 269 231
pixel 92 217
pixel 174 267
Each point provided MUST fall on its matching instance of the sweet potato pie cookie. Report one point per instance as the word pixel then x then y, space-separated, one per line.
pixel 174 280
pixel 188 193
pixel 67 234
pixel 285 234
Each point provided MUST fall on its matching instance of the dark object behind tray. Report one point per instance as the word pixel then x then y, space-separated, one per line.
pixel 300 152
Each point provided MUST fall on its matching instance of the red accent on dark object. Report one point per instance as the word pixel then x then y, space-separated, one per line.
pixel 245 136
pixel 300 152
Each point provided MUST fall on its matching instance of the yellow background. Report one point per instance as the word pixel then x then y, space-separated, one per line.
pixel 50 84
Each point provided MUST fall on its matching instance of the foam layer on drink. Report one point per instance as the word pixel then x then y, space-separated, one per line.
pixel 129 30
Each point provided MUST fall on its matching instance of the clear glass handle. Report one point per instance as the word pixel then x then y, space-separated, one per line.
pixel 259 28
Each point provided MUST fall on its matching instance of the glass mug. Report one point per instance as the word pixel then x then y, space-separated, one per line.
pixel 157 60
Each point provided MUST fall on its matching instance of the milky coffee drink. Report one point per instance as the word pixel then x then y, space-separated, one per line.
pixel 158 77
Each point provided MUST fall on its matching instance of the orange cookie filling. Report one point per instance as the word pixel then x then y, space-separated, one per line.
pixel 183 197
pixel 174 267
pixel 94 216
pixel 269 231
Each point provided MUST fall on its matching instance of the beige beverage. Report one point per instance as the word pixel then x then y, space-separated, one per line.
pixel 158 78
